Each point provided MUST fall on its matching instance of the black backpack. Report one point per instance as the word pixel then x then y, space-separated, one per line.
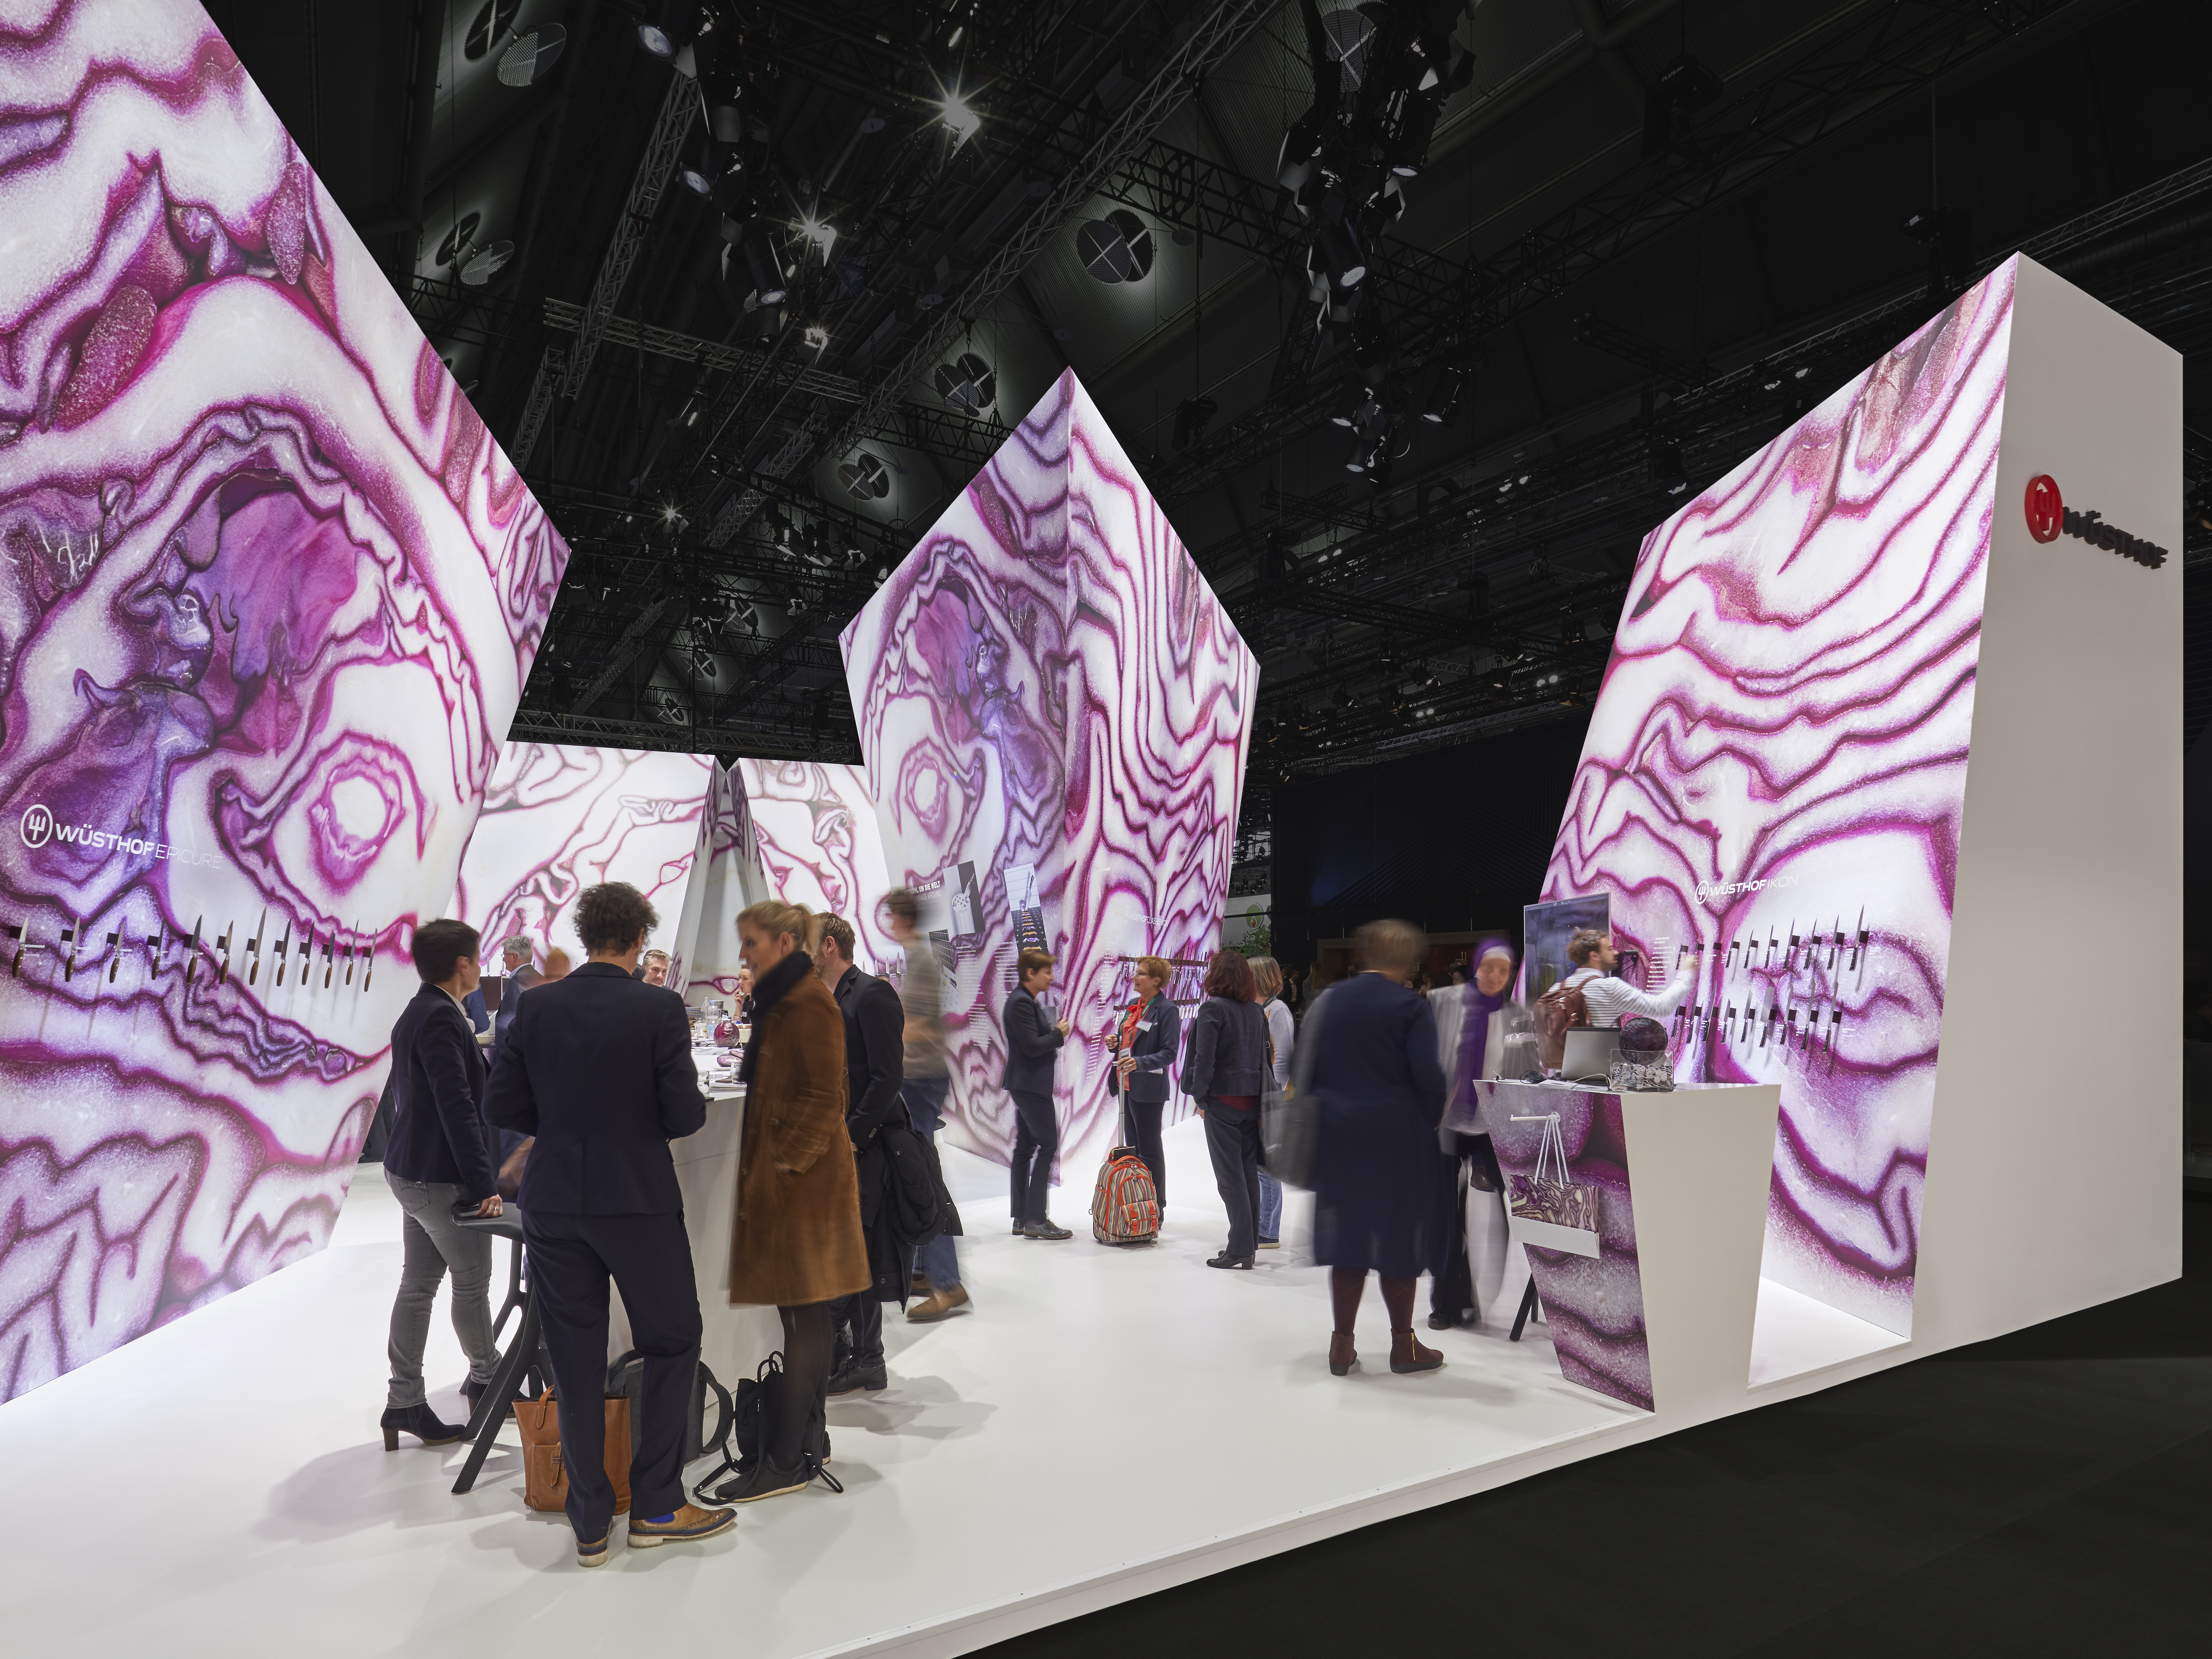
pixel 627 1376
pixel 752 1425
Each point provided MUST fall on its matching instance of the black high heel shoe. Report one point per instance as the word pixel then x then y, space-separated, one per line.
pixel 418 1420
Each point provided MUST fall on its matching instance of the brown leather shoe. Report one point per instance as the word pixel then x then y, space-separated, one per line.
pixel 942 1304
pixel 685 1525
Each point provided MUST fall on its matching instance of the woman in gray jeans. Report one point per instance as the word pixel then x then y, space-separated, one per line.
pixel 439 1162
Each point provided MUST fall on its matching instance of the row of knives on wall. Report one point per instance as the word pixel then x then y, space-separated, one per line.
pixel 1757 958
pixel 74 951
pixel 1783 953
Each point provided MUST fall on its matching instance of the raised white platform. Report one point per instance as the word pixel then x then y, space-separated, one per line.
pixel 1107 1424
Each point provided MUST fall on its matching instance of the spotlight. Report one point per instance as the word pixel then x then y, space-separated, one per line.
pixel 1340 251
pixel 960 118
pixel 817 335
pixel 1191 416
pixel 698 181
pixel 1443 401
pixel 1347 411
pixel 797 605
pixel 819 235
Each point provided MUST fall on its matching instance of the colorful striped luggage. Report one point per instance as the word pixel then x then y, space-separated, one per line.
pixel 1124 1208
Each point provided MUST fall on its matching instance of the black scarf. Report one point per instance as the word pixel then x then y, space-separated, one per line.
pixel 769 990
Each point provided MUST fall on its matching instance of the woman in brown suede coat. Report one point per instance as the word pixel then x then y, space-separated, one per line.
pixel 797 1243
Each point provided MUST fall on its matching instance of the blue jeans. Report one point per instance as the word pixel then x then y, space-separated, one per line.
pixel 936 1261
pixel 1271 1206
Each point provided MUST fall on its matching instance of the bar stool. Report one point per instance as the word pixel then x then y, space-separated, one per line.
pixel 521 1355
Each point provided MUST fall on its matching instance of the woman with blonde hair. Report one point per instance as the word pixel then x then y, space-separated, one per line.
pixel 796 1244
pixel 1369 1058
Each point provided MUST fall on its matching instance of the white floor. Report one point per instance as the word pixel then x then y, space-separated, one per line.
pixel 1106 1422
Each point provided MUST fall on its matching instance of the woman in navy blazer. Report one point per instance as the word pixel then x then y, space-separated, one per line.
pixel 1033 1040
pixel 1146 1039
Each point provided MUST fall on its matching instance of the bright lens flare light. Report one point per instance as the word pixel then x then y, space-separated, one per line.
pixel 961 118
pixel 816 336
pixel 821 236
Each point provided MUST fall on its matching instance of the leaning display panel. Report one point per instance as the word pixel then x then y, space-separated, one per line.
pixel 1055 711
pixel 269 595
pixel 1832 747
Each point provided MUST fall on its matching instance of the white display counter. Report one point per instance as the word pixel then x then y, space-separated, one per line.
pixel 1661 1316
pixel 735 1339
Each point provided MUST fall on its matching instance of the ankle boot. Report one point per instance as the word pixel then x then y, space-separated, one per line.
pixel 418 1420
pixel 1343 1355
pixel 1407 1355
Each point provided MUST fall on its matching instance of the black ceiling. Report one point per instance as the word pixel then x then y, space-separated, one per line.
pixel 1633 327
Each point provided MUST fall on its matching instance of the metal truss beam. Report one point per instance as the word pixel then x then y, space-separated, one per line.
pixel 1891 52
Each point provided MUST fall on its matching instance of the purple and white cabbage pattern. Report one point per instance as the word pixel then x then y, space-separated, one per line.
pixel 816 843
pixel 1780 747
pixel 268 595
pixel 1047 680
pixel 557 819
pixel 1593 1306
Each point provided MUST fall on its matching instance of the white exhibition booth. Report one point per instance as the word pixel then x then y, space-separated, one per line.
pixel 1912 671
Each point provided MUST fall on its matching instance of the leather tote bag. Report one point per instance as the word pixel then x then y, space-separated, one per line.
pixel 545 1476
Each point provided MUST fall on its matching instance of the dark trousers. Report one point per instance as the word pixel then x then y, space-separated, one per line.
pixel 862 1315
pixel 1232 1140
pixel 571 1258
pixel 1036 1140
pixel 1451 1291
pixel 1140 1127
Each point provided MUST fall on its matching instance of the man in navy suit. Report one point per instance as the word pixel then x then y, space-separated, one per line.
pixel 597 1067
pixel 438 1161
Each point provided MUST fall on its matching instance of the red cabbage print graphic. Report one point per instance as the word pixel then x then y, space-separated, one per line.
pixel 1048 693
pixel 558 818
pixel 268 593
pixel 1776 768
pixel 818 844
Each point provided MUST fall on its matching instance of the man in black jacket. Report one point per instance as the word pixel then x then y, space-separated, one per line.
pixel 438 1161
pixel 597 1067
pixel 875 1060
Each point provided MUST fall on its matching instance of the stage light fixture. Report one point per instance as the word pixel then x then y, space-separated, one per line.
pixel 486 262
pixel 1192 415
pixel 1341 252
pixel 959 117
pixel 817 335
pixel 1444 400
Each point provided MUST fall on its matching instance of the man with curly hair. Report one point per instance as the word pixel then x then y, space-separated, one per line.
pixel 597 1067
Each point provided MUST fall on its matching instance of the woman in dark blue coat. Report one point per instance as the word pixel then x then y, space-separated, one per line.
pixel 1369 1055
pixel 1226 1075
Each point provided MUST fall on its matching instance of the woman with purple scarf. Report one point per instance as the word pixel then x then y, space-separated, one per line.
pixel 1470 1044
